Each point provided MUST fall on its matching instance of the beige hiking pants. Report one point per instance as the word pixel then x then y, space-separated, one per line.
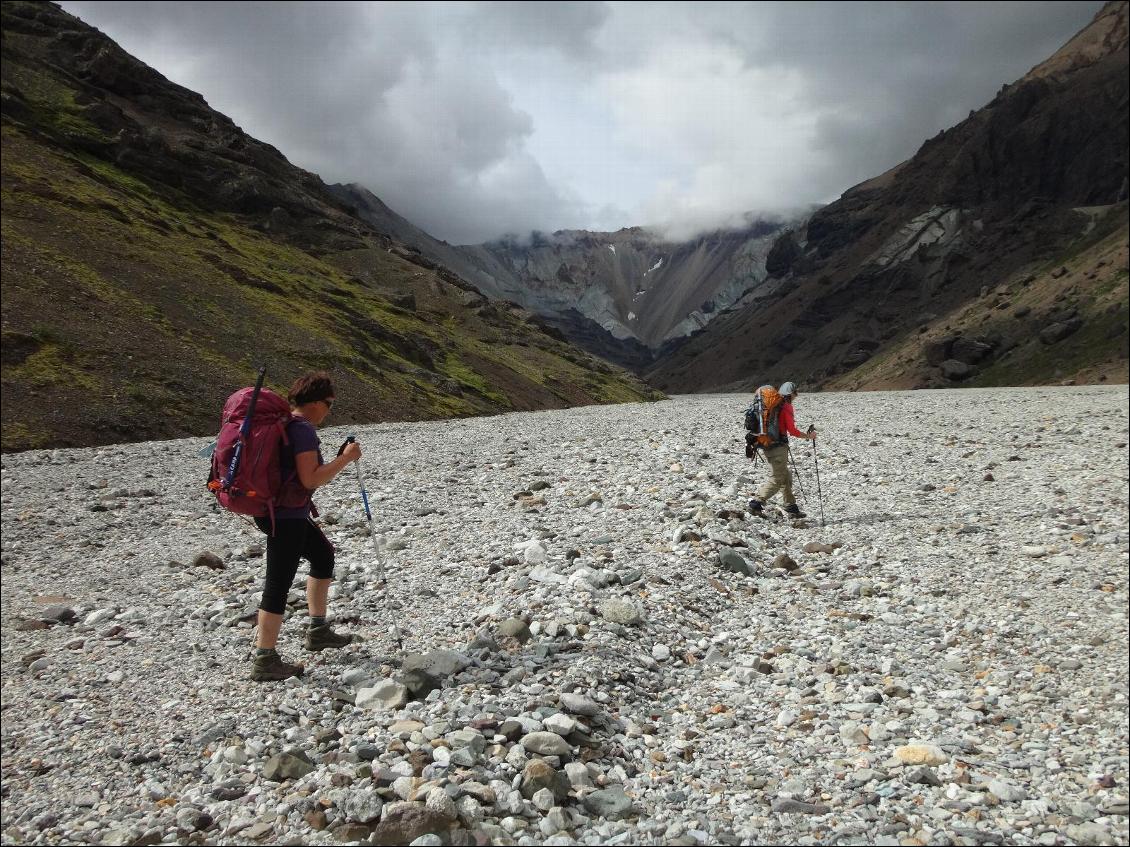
pixel 778 460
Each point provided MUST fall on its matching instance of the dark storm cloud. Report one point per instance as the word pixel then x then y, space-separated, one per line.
pixel 884 77
pixel 477 119
pixel 569 28
pixel 369 93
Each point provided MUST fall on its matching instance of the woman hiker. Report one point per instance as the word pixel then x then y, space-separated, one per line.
pixel 295 535
pixel 777 457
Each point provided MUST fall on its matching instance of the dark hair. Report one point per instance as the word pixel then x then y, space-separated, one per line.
pixel 310 388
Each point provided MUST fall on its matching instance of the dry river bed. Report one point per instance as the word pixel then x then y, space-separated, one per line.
pixel 600 644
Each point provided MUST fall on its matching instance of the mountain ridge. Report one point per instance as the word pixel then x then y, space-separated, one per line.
pixel 1029 184
pixel 629 295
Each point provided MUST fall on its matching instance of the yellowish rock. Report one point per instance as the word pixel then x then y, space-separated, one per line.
pixel 405 727
pixel 921 754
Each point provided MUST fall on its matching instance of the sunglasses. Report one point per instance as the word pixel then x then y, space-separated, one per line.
pixel 329 402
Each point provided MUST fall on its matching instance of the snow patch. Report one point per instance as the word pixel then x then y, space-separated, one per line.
pixel 631 316
pixel 612 247
pixel 654 267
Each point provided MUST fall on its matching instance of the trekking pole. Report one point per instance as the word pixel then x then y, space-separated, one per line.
pixel 800 482
pixel 816 461
pixel 373 535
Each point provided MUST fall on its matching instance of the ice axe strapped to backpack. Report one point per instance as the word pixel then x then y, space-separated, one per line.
pixel 762 420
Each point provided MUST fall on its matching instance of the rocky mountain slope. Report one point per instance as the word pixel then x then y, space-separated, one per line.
pixel 601 646
pixel 629 295
pixel 154 254
pixel 995 256
pixel 633 283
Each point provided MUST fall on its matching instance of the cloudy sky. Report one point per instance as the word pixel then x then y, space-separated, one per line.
pixel 477 119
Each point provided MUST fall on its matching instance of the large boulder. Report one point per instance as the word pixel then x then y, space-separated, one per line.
pixel 969 350
pixel 362 806
pixel 956 370
pixel 546 744
pixel 293 764
pixel 623 612
pixel 938 350
pixel 539 774
pixel 438 663
pixel 385 694
pixel 419 683
pixel 612 803
pixel 1059 330
pixel 515 628
pixel 731 560
pixel 404 822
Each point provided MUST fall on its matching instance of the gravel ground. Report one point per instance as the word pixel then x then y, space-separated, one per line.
pixel 601 645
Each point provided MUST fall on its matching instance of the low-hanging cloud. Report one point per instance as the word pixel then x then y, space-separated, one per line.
pixel 474 120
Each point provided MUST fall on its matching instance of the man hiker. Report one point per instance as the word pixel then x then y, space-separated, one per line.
pixel 293 535
pixel 777 455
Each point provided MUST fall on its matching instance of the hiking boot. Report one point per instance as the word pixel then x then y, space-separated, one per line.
pixel 793 511
pixel 270 667
pixel 324 638
pixel 755 506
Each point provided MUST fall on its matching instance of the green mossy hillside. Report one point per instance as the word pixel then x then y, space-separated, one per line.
pixel 130 312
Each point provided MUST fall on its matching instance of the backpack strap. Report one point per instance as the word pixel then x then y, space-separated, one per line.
pixel 282 424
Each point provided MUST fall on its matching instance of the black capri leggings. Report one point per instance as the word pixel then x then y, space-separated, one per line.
pixel 293 539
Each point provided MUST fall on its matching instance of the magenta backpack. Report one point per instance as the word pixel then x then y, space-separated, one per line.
pixel 246 476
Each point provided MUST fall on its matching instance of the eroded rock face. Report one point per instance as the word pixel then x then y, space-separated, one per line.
pixel 622 295
pixel 937 232
pixel 634 284
pixel 783 255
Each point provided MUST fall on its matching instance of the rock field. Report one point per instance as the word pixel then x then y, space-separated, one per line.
pixel 600 645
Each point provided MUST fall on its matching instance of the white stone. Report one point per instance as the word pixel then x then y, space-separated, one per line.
pixel 559 723
pixel 441 803
pixel 786 717
pixel 534 552
pixel 384 695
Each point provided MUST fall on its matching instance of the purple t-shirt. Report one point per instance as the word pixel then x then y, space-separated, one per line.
pixel 303 439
